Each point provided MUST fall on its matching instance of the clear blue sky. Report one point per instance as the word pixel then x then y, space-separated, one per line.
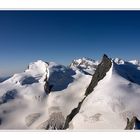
pixel 62 36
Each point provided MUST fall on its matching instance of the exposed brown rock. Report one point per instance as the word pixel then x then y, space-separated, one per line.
pixel 133 124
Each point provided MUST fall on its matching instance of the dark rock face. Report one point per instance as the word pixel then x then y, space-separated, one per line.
pixel 72 114
pixel 55 122
pixel 133 124
pixel 47 87
pixel 99 74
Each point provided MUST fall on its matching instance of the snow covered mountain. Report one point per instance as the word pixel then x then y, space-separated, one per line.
pixel 25 102
pixel 114 100
pixel 87 94
pixel 85 65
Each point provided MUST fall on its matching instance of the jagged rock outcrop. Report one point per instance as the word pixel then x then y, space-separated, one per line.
pixel 55 122
pixel 47 87
pixel 72 114
pixel 99 74
pixel 134 123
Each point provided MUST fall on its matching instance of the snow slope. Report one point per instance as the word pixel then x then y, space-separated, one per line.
pixel 22 94
pixel 24 103
pixel 113 100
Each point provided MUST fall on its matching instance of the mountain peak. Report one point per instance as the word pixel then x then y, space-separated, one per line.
pixel 105 56
pixel 84 62
pixel 37 67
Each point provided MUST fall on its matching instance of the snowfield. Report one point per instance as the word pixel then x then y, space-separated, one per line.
pixel 24 104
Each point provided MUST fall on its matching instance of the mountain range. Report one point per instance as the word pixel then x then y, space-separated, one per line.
pixel 86 95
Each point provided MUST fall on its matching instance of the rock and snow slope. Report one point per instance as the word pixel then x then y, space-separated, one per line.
pixel 113 100
pixel 26 104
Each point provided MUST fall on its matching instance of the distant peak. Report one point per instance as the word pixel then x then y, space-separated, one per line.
pixel 119 61
pixel 87 58
pixel 84 61
pixel 135 62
